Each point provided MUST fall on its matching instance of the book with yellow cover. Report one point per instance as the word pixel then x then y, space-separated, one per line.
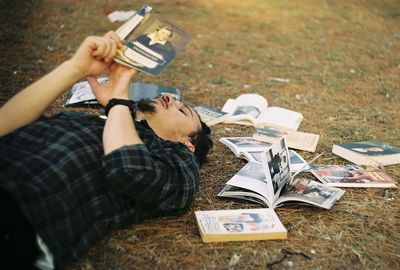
pixel 239 225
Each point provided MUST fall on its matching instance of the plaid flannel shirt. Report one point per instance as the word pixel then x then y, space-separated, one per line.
pixel 73 194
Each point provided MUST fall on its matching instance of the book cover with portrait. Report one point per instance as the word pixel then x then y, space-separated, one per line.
pixel 150 41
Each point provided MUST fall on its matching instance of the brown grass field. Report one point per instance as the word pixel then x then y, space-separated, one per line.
pixel 343 62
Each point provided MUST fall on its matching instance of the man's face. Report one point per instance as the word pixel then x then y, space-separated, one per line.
pixel 172 120
pixel 163 34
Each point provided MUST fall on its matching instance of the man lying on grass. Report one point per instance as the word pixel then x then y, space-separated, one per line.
pixel 68 180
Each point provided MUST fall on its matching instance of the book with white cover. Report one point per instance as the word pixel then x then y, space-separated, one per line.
pixel 239 225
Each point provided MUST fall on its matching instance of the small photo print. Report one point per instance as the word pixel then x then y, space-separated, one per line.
pixel 277 159
pixel 251 110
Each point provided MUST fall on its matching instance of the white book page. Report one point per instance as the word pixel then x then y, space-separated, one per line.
pixel 243 144
pixel 281 117
pixel 124 30
pixel 311 192
pixel 251 177
pixel 246 106
pixel 276 164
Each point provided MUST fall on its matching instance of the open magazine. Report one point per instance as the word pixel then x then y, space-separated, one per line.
pixel 250 149
pixel 253 109
pixel 81 93
pixel 352 175
pixel 295 139
pixel 151 42
pixel 270 183
pixel 210 116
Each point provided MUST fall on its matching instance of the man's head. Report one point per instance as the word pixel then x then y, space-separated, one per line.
pixel 163 32
pixel 173 120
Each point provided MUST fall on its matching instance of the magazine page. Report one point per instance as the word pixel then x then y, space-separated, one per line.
pixel 239 145
pixel 295 139
pixel 244 194
pixel 252 177
pixel 276 164
pixel 152 43
pixel 210 116
pixel 297 162
pixel 280 117
pixel 352 176
pixel 81 93
pixel 245 107
pixel 310 192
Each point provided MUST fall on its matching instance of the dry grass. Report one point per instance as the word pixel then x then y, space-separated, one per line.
pixel 343 62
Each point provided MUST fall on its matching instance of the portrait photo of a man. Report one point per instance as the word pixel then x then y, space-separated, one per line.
pixel 153 44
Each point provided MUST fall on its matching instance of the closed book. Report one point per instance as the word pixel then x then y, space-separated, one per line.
pixel 239 225
pixel 368 152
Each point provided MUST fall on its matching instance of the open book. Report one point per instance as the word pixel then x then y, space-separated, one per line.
pixel 81 93
pixel 352 176
pixel 295 139
pixel 250 149
pixel 151 42
pixel 210 116
pixel 252 109
pixel 239 225
pixel 270 183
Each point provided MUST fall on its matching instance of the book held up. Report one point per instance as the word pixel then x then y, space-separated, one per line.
pixel 151 41
pixel 239 225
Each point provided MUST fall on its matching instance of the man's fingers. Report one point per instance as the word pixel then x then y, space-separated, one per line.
pixel 94 84
pixel 112 35
pixel 113 51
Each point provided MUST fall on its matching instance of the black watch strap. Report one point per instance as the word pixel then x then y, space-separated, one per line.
pixel 115 101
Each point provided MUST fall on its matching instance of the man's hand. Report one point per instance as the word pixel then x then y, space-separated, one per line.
pixel 116 87
pixel 94 55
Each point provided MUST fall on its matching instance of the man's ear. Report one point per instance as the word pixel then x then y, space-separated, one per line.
pixel 190 146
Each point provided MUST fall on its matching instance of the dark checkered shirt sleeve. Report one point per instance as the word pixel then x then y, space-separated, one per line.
pixel 163 179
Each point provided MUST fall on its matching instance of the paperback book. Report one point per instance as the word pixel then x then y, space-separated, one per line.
pixel 352 176
pixel 210 116
pixel 151 41
pixel 295 139
pixel 239 225
pixel 81 93
pixel 253 109
pixel 250 149
pixel 271 184
pixel 368 152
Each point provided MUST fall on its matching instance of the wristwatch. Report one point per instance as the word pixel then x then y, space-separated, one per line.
pixel 132 105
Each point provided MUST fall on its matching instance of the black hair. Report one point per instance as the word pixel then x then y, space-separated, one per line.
pixel 202 142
